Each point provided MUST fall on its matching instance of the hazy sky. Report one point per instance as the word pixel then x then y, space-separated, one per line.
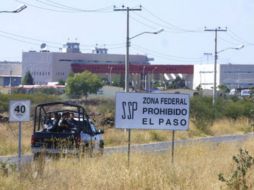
pixel 184 41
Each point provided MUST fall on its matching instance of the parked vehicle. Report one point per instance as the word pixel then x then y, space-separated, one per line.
pixel 64 128
pixel 245 92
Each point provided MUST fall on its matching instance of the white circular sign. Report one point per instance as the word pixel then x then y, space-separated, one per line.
pixel 19 110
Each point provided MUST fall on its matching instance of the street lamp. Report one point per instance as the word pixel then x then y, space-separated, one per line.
pixel 127 53
pixel 215 66
pixel 235 48
pixel 18 10
pixel 157 32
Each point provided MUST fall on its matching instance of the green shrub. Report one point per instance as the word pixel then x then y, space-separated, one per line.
pixel 202 112
pixel 35 99
pixel 234 110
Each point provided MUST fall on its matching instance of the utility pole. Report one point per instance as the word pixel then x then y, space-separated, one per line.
pixel 127 9
pixel 216 30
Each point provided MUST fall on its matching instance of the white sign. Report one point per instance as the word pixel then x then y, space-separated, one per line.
pixel 152 111
pixel 19 110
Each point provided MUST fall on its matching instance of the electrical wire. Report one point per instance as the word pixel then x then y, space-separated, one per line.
pixel 57 7
pixel 54 45
pixel 28 38
pixel 227 41
pixel 144 24
pixel 43 8
pixel 170 25
pixel 167 56
pixel 235 37
pixel 158 25
pixel 77 9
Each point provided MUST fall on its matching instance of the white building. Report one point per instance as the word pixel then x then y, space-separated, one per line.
pixel 46 66
pixel 204 75
pixel 231 75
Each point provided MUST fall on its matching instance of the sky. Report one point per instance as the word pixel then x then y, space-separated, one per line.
pixel 95 23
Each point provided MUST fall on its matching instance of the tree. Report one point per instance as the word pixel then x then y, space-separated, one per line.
pixel 199 90
pixel 178 83
pixel 223 89
pixel 82 84
pixel 28 79
pixel 61 82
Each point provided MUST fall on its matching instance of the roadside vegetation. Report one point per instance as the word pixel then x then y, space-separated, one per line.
pixel 191 170
pixel 232 116
pixel 82 84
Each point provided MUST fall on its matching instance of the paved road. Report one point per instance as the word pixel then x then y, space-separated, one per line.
pixel 152 147
pixel 165 146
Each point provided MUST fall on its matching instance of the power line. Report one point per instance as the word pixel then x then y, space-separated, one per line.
pixel 165 27
pixel 63 6
pixel 235 37
pixel 51 42
pixel 168 56
pixel 57 7
pixel 43 8
pixel 144 24
pixel 53 5
pixel 29 38
pixel 55 45
pixel 180 29
pixel 228 41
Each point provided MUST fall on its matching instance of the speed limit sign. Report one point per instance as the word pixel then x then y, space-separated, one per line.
pixel 19 110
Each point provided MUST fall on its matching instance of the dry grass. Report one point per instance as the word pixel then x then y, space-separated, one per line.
pixel 9 137
pixel 221 127
pixel 116 137
pixel 196 168
pixel 226 126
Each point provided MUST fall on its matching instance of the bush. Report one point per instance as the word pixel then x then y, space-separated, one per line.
pixel 202 112
pixel 35 99
pixel 239 177
pixel 237 109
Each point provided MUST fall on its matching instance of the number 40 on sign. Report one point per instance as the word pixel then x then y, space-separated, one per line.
pixel 19 110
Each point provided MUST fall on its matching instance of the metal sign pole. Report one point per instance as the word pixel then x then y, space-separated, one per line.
pixel 129 146
pixel 19 147
pixel 173 146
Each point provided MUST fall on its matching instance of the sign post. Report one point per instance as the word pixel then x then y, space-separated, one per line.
pixel 19 111
pixel 129 146
pixel 154 111
pixel 173 147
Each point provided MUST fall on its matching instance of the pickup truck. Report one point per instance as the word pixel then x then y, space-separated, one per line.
pixel 64 128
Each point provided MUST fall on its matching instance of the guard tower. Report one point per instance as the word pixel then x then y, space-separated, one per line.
pixel 71 47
